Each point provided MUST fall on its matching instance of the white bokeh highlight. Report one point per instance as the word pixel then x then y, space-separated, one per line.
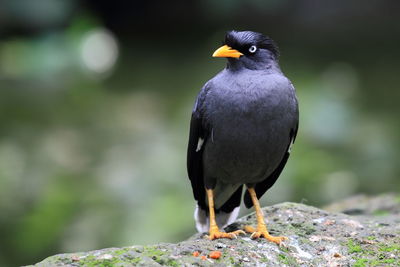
pixel 99 51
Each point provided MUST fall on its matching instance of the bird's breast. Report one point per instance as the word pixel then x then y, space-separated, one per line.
pixel 250 131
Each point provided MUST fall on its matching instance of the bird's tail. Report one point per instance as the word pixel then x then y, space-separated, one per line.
pixel 223 218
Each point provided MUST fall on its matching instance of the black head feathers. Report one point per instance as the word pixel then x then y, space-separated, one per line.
pixel 243 40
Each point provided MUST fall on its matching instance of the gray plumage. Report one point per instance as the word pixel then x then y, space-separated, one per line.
pixel 243 124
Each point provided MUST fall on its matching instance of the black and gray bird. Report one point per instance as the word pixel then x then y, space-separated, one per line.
pixel 243 125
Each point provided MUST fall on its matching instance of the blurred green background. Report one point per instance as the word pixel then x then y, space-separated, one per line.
pixel 95 102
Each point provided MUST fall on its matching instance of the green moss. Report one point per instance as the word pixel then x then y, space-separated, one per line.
pixel 309 230
pixel 361 263
pixel 159 256
pixel 296 225
pixel 388 261
pixel 100 263
pixel 283 259
pixel 371 237
pixel 135 260
pixel 118 257
pixel 108 263
pixel 352 247
pixel 64 260
pixel 388 248
pixel 286 259
pixel 303 229
pixel 171 262
pixel 87 261
pixel 120 252
pixel 375 262
pixel 231 260
pixel 381 212
pixel 138 249
pixel 284 249
pixel 227 258
pixel 152 251
pixel 378 256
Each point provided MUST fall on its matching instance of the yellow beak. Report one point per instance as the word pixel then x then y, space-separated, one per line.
pixel 226 51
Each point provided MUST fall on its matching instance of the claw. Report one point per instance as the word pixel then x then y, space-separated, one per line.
pixel 214 232
pixel 217 234
pixel 260 232
pixel 236 233
pixel 239 232
pixel 252 235
pixel 261 227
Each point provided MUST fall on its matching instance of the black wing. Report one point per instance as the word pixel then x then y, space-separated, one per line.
pixel 195 151
pixel 262 187
pixel 199 129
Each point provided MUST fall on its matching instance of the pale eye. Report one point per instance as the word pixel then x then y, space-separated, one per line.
pixel 252 49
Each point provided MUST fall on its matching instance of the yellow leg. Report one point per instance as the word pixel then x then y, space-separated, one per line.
pixel 261 226
pixel 214 232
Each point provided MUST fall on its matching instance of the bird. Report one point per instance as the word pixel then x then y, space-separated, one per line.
pixel 243 125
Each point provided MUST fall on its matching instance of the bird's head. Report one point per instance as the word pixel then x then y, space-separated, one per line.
pixel 248 49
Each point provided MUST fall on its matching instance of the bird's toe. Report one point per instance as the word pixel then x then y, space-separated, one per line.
pixel 217 234
pixel 275 239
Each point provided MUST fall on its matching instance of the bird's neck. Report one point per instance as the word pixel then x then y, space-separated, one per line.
pixel 239 64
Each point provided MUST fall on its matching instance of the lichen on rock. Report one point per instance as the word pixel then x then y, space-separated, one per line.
pixel 317 237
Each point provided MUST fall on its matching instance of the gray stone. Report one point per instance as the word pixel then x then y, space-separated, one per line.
pixel 368 235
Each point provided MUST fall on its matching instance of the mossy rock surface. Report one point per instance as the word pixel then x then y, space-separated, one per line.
pixel 317 237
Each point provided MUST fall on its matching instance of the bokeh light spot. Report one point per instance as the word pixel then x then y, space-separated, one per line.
pixel 99 50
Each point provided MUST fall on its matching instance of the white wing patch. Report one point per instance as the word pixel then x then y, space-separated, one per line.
pixel 291 144
pixel 201 219
pixel 223 219
pixel 199 144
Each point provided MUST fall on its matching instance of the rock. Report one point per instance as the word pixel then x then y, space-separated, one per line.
pixel 316 238
pixel 362 205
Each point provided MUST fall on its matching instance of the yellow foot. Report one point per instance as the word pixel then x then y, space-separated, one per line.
pixel 216 234
pixel 262 232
